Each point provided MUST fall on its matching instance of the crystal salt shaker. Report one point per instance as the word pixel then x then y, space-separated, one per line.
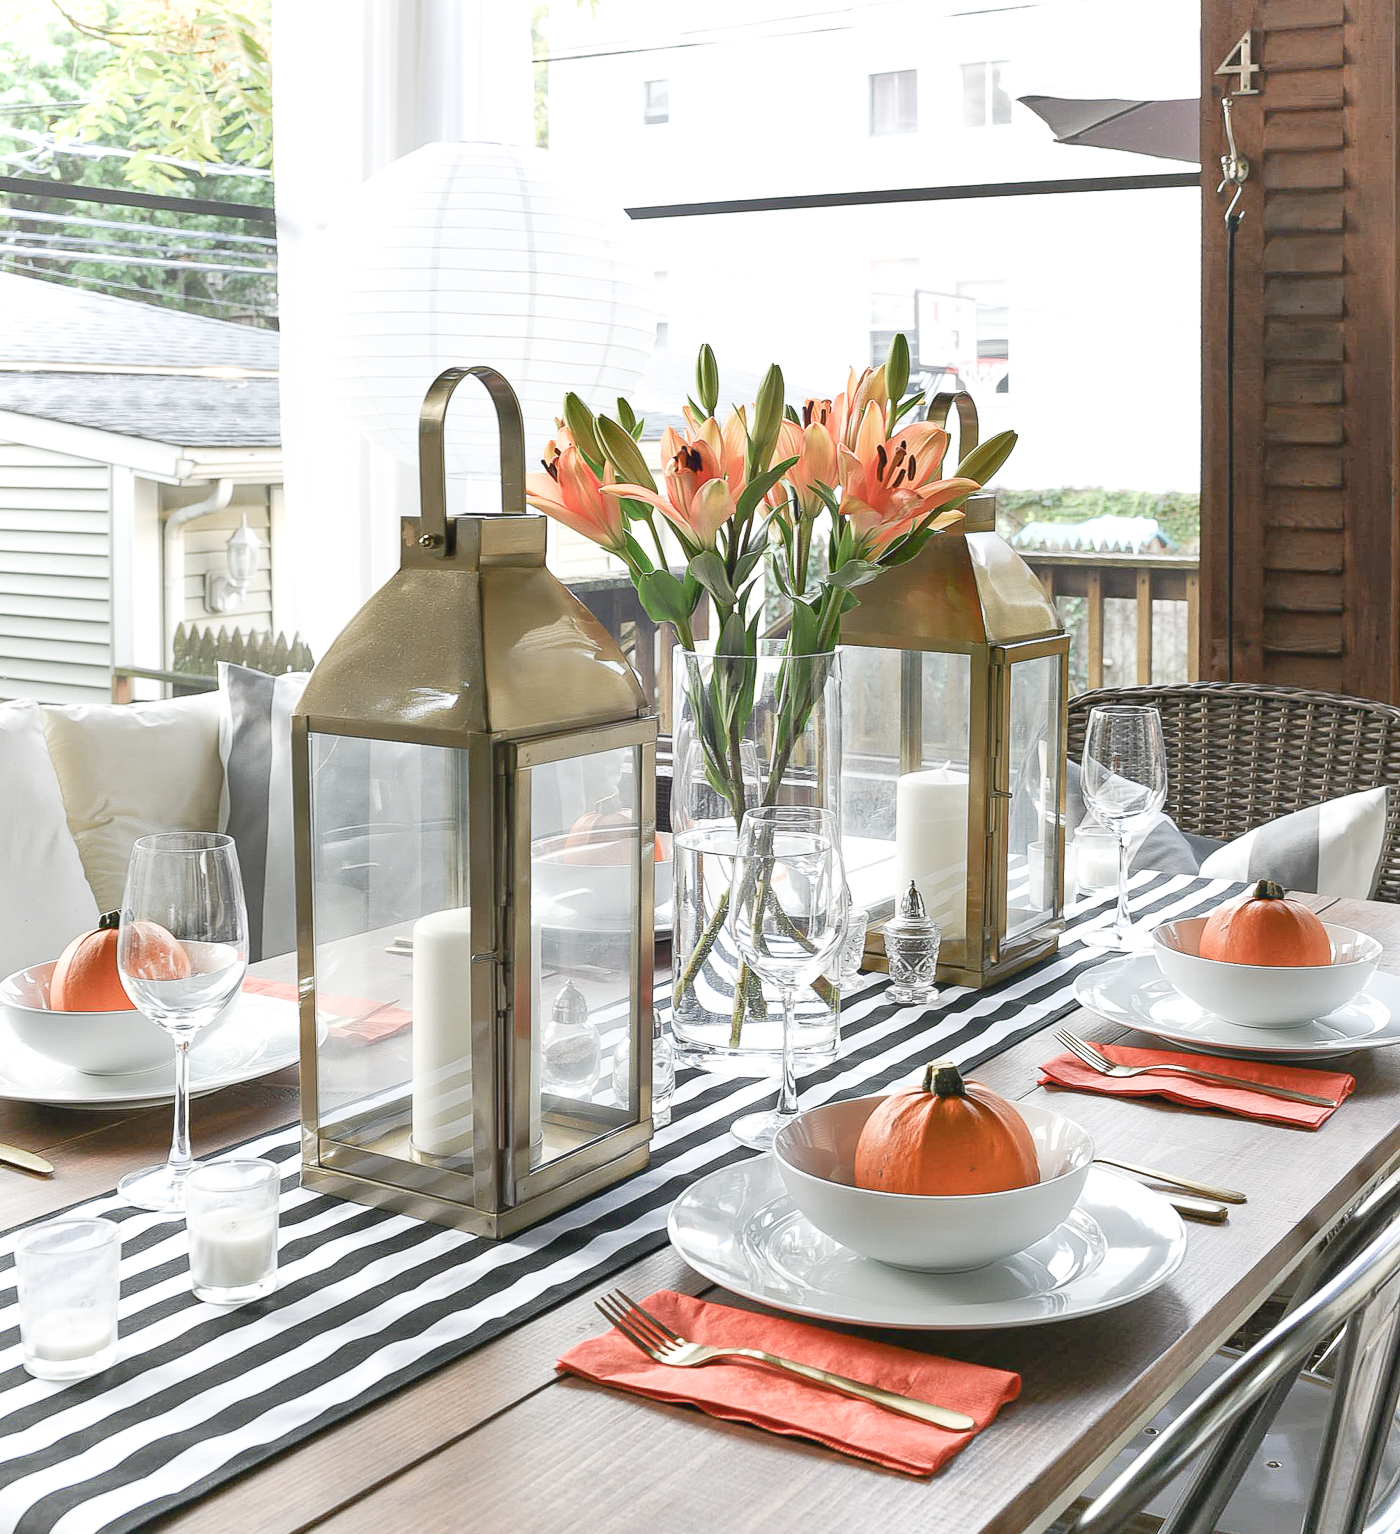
pixel 911 946
pixel 663 1072
pixel 571 1048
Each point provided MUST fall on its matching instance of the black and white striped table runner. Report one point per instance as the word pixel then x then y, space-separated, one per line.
pixel 369 1301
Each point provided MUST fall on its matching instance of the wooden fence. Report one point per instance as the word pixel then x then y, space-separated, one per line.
pixel 198 651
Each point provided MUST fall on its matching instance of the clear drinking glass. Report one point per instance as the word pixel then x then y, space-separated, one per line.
pixel 182 950
pixel 66 1272
pixel 231 1219
pixel 787 915
pixel 1125 785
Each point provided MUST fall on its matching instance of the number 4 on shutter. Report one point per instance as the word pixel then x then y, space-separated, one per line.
pixel 1238 62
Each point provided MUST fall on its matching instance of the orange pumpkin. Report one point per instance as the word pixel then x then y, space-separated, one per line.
pixel 1265 927
pixel 85 978
pixel 946 1136
pixel 603 839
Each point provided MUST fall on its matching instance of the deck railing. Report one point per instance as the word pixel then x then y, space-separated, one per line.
pixel 1141 578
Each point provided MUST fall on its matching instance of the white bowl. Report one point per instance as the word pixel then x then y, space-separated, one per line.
pixel 100 1043
pixel 1264 995
pixel 589 896
pixel 816 1159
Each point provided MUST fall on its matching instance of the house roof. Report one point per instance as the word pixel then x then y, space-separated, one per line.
pixel 137 369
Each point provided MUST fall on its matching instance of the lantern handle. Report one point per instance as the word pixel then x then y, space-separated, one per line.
pixel 432 464
pixel 937 413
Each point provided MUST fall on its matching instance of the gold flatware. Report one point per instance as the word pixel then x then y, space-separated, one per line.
pixel 1105 1067
pixel 661 1344
pixel 26 1159
pixel 1206 1210
pixel 1205 1189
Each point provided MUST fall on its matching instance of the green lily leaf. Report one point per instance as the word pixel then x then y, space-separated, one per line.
pixel 641 560
pixel 708 568
pixel 663 598
pixel 759 486
pixel 855 572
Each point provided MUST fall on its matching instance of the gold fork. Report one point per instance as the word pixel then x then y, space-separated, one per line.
pixel 661 1344
pixel 1106 1067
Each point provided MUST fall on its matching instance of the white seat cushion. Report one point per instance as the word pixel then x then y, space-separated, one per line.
pixel 130 770
pixel 44 898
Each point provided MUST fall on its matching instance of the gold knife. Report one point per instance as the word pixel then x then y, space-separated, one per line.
pixel 26 1159
pixel 1206 1210
pixel 1205 1189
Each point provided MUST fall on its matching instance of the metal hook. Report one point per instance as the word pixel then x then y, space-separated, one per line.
pixel 1234 167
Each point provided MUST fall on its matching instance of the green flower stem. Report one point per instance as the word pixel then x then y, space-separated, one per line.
pixel 702 948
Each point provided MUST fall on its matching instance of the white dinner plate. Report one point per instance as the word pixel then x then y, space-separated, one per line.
pixel 1132 991
pixel 740 1229
pixel 258 1038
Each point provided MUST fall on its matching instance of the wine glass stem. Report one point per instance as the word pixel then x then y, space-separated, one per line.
pixel 1122 923
pixel 787 1093
pixel 181 1156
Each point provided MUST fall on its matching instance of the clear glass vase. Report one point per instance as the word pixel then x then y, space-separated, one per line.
pixel 748 730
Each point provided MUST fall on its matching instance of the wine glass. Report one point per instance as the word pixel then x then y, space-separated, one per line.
pixel 787 916
pixel 1125 785
pixel 182 950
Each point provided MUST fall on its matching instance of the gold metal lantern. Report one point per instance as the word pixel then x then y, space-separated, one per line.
pixel 474 793
pixel 956 673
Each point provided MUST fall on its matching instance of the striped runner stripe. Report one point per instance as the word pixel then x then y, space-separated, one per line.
pixel 369 1301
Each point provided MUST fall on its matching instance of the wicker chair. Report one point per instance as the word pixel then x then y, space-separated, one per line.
pixel 1240 754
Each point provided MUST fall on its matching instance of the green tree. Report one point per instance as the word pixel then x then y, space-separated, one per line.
pixel 156 81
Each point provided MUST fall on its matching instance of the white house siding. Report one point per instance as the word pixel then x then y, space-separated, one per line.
pixel 55 576
pixel 206 542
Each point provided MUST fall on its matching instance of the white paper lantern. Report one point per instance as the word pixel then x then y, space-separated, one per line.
pixel 479 253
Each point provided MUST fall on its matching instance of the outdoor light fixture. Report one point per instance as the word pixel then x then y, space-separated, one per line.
pixel 225 591
pixel 956 675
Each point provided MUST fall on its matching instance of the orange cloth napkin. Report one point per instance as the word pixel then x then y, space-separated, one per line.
pixel 747 1392
pixel 357 1018
pixel 1068 1071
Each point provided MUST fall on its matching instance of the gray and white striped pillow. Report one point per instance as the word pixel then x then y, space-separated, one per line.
pixel 255 743
pixel 1331 849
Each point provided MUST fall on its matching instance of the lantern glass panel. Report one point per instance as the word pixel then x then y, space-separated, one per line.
pixel 929 734
pixel 585 889
pixel 392 938
pixel 1035 763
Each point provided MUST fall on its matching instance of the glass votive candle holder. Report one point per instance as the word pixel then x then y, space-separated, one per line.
pixel 1097 856
pixel 231 1219
pixel 66 1272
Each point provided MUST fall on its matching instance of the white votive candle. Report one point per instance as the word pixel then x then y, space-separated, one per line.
pixel 930 844
pixel 231 1218
pixel 67 1279
pixel 70 1335
pixel 1098 856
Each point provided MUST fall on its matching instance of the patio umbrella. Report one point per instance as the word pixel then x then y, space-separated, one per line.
pixel 1168 129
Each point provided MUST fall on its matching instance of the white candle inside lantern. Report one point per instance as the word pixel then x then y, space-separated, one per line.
pixel 930 843
pixel 442 1033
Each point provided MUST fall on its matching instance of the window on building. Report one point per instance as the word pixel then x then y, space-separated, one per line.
pixel 986 102
pixel 892 285
pixel 992 297
pixel 894 102
pixel 656 101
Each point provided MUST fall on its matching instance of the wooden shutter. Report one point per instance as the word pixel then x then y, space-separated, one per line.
pixel 1315 349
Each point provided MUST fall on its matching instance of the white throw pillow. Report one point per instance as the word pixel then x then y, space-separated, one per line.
pixel 131 770
pixel 255 745
pixel 44 898
pixel 1330 849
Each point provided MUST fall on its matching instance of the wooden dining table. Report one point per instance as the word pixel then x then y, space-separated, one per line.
pixel 499 1441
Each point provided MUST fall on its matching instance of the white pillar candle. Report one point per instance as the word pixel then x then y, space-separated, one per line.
pixel 71 1333
pixel 930 844
pixel 233 1248
pixel 442 1033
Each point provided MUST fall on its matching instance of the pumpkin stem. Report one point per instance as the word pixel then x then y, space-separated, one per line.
pixel 944 1079
pixel 1266 889
pixel 109 921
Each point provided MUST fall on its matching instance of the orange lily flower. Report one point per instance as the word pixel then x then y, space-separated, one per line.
pixel 816 464
pixel 699 496
pixel 570 492
pixel 889 487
